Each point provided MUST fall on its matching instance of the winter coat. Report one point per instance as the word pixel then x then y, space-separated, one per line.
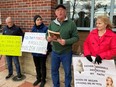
pixel 41 29
pixel 14 30
pixel 104 46
pixel 68 31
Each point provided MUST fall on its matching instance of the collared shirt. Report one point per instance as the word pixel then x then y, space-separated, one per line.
pixel 58 23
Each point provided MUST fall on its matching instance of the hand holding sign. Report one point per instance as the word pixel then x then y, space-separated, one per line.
pixel 0 57
pixel 98 59
pixel 89 58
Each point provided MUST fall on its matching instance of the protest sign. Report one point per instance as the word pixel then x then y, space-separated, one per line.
pixel 10 45
pixel 34 43
pixel 88 74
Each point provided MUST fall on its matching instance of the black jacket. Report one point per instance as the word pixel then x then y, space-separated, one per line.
pixel 14 30
pixel 41 29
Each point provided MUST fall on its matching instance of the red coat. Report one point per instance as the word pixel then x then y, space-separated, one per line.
pixel 105 46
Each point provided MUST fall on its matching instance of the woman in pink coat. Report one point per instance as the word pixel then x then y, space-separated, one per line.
pixel 101 42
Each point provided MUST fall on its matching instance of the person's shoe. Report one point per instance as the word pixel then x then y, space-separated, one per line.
pixel 19 76
pixel 42 83
pixel 36 82
pixel 8 76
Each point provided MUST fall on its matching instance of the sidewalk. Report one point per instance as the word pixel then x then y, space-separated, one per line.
pixel 27 82
pixel 24 83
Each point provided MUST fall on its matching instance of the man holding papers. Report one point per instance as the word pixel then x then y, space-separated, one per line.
pixel 62 47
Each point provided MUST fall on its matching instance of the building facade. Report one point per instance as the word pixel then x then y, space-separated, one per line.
pixel 84 12
pixel 23 11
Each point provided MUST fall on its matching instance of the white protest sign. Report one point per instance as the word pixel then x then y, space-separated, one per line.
pixel 87 74
pixel 34 43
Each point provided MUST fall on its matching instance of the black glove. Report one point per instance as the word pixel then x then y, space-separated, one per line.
pixel 98 59
pixel 89 58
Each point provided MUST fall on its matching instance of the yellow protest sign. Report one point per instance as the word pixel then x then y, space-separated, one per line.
pixel 10 45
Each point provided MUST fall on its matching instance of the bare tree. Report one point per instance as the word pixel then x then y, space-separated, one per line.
pixel 74 6
pixel 85 6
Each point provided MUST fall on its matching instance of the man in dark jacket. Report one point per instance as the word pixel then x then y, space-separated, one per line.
pixel 12 29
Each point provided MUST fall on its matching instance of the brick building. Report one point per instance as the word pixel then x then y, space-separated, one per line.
pixel 22 11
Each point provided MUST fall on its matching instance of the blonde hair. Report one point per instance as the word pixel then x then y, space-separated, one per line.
pixel 106 20
pixel 108 83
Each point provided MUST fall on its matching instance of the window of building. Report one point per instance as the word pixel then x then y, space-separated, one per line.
pixel 114 15
pixel 84 12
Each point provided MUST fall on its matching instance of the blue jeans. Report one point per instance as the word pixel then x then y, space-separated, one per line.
pixel 66 60
pixel 9 60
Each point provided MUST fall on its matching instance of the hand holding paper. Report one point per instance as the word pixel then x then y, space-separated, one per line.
pixel 89 58
pixel 61 41
pixel 49 39
pixel 0 57
pixel 98 59
pixel 54 35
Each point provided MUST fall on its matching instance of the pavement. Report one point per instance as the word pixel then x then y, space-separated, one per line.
pixel 27 82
